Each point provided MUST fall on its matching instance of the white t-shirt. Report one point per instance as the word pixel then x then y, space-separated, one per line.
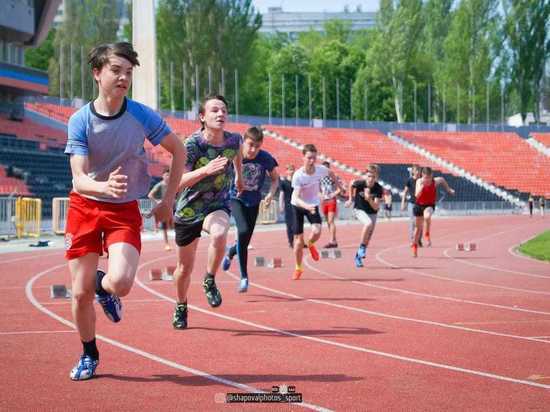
pixel 308 185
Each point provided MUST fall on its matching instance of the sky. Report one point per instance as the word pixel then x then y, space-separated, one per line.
pixel 316 5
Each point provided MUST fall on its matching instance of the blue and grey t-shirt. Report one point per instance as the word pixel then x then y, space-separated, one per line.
pixel 254 173
pixel 113 141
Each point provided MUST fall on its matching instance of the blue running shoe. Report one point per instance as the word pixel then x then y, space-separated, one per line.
pixel 226 262
pixel 358 261
pixel 111 304
pixel 84 369
pixel 243 286
pixel 362 252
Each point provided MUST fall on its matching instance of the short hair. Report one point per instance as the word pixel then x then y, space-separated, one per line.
pixel 309 148
pixel 326 164
pixel 166 170
pixel 415 167
pixel 427 171
pixel 99 55
pixel 206 99
pixel 255 134
pixel 373 168
pixel 290 167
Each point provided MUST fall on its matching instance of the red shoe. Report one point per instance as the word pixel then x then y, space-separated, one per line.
pixel 313 252
pixel 414 250
pixel 297 274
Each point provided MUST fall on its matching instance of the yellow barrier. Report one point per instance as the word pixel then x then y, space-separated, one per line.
pixel 268 215
pixel 59 214
pixel 28 216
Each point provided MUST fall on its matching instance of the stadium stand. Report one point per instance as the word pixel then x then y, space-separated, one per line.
pixel 53 111
pixel 11 185
pixel 543 138
pixel 357 148
pixel 503 159
pixel 30 130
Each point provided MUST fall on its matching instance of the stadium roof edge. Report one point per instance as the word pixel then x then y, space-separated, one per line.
pixel 47 14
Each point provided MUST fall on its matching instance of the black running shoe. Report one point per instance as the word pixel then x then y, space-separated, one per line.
pixel 180 316
pixel 213 295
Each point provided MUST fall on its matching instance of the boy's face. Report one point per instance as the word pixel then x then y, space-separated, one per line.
pixel 251 148
pixel 290 172
pixel 370 178
pixel 427 178
pixel 115 77
pixel 310 158
pixel 165 177
pixel 215 114
pixel 415 172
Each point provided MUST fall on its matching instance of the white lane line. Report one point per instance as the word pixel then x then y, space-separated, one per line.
pixel 386 315
pixel 35 332
pixel 493 268
pixel 38 256
pixel 347 346
pixel 420 273
pixel 68 301
pixel 148 355
pixel 425 295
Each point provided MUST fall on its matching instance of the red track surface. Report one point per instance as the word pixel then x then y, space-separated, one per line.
pixel 447 331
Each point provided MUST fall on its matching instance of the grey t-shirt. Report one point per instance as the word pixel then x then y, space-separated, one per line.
pixel 113 141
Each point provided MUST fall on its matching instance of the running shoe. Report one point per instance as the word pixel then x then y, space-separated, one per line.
pixel 213 295
pixel 84 369
pixel 362 252
pixel 297 274
pixel 243 286
pixel 179 320
pixel 226 262
pixel 414 250
pixel 111 304
pixel 428 241
pixel 358 261
pixel 313 252
pixel 330 245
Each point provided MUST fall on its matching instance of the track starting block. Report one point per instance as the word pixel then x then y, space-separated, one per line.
pixel 259 261
pixel 468 247
pixel 168 273
pixel 155 274
pixel 59 292
pixel 331 253
pixel 275 263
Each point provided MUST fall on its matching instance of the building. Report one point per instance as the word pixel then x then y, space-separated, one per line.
pixel 278 21
pixel 23 23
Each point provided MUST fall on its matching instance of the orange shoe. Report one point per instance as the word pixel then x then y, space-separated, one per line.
pixel 313 252
pixel 297 274
pixel 414 249
pixel 428 240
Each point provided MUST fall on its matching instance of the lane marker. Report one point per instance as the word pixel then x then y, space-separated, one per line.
pixel 38 332
pixel 347 346
pixel 148 355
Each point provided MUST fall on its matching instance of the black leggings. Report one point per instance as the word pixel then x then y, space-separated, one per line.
pixel 245 217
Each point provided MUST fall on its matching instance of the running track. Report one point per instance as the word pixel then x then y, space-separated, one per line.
pixel 447 331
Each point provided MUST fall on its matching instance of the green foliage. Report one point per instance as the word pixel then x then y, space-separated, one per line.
pixel 539 247
pixel 39 57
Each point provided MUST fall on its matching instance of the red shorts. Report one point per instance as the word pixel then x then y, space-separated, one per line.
pixel 92 226
pixel 329 206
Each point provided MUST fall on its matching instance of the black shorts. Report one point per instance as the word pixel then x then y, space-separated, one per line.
pixel 388 207
pixel 299 213
pixel 186 234
pixel 418 210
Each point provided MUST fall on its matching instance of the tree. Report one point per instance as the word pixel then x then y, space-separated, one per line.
pixel 393 51
pixel 526 30
pixel 39 57
pixel 209 36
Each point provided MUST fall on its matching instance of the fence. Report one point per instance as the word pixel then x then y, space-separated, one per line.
pixel 7 216
pixel 28 217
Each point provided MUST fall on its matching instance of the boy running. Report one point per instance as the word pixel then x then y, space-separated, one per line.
pixel 156 194
pixel 285 195
pixel 305 203
pixel 426 196
pixel 366 195
pixel 203 203
pixel 330 189
pixel 109 168
pixel 408 195
pixel 257 164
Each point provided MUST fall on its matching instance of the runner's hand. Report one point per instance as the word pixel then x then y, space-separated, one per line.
pixel 117 184
pixel 216 165
pixel 267 200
